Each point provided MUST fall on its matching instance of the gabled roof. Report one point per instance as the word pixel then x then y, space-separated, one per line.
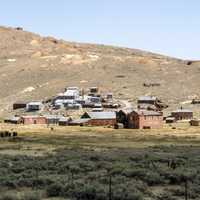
pixel 100 115
pixel 148 113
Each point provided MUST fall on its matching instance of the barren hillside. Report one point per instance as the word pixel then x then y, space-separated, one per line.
pixel 34 67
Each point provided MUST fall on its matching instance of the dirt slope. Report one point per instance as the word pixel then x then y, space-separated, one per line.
pixel 33 67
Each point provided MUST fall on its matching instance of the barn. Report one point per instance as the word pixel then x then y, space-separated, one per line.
pixel 145 119
pixel 100 118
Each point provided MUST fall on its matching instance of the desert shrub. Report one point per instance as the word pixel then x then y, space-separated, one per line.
pixel 55 190
pixel 37 182
pixel 166 196
pixel 31 196
pixel 89 192
pixel 9 196
pixel 194 191
pixel 153 178
pixel 135 172
pixel 122 192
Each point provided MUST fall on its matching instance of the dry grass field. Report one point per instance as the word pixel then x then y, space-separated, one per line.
pixel 39 139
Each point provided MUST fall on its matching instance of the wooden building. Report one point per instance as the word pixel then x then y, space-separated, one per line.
pixel 93 90
pixel 147 100
pixel 182 114
pixel 147 107
pixel 100 118
pixel 170 120
pixel 52 119
pixel 34 106
pixel 34 119
pixel 195 122
pixel 64 121
pixel 19 105
pixel 13 120
pixel 144 119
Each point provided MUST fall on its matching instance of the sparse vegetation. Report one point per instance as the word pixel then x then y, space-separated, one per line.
pixel 85 174
pixel 82 163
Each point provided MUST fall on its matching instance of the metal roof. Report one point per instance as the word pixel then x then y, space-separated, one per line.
pixel 13 118
pixel 148 113
pixel 35 103
pixel 33 116
pixel 71 93
pixel 64 119
pixel 79 121
pixel 182 110
pixel 53 116
pixel 102 115
pixel 147 98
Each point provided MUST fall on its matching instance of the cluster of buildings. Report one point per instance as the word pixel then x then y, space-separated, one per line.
pixel 99 110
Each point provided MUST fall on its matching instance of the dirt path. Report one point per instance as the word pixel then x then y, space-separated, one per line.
pixel 126 104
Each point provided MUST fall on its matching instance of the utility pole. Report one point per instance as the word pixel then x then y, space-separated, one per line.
pixel 110 187
pixel 186 189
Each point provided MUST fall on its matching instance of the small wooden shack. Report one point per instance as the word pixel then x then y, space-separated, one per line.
pixel 147 100
pixel 19 105
pixel 52 119
pixel 34 106
pixel 93 89
pixel 13 120
pixel 64 121
pixel 170 120
pixel 195 122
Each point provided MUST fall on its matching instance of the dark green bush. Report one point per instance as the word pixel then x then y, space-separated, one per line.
pixel 55 190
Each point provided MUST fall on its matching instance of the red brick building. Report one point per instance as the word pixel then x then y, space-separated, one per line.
pixel 27 120
pixel 144 119
pixel 100 118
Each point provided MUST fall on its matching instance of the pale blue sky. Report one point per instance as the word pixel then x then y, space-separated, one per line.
pixel 170 27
